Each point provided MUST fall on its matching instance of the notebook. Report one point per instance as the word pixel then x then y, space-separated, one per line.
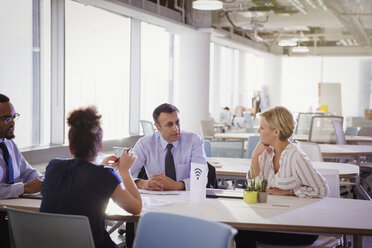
pixel 32 196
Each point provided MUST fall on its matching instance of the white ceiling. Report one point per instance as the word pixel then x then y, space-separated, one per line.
pixel 326 27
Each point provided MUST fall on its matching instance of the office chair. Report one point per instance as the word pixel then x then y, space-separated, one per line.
pixel 207 129
pixel 304 122
pixel 159 230
pixel 227 148
pixel 352 131
pixel 147 127
pixel 34 229
pixel 322 130
pixel 207 148
pixel 251 145
pixel 312 151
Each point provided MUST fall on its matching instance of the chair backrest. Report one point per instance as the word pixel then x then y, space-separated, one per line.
pixel 251 145
pixel 322 130
pixel 333 179
pixel 207 129
pixel 34 229
pixel 207 148
pixel 365 131
pixel 340 135
pixel 159 230
pixel 147 127
pixel 351 131
pixel 212 177
pixel 227 148
pixel 304 122
pixel 312 150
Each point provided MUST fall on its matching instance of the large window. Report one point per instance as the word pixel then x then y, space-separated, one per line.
pixel 156 68
pixel 23 66
pixel 98 65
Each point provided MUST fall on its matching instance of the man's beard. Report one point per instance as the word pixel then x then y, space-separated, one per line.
pixel 10 137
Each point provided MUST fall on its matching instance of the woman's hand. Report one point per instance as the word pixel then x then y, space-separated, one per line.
pixel 260 148
pixel 112 161
pixel 277 191
pixel 126 160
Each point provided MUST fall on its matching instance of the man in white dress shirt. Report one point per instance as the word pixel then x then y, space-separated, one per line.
pixel 166 155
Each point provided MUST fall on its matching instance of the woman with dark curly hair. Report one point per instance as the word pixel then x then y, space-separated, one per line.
pixel 79 186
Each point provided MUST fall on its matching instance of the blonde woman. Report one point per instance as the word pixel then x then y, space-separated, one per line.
pixel 288 170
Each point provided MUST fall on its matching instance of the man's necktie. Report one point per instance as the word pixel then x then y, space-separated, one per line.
pixel 170 171
pixel 8 161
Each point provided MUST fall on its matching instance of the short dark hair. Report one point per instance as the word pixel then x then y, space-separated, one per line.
pixel 163 108
pixel 85 133
pixel 4 98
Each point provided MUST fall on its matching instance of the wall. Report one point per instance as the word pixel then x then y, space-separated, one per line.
pixel 192 97
pixel 354 74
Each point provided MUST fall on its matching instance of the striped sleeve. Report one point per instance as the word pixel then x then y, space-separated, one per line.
pixel 312 183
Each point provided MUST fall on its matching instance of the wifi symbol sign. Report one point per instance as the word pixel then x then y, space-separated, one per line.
pixel 198 172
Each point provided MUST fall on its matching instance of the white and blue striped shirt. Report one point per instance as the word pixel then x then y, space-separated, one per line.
pixel 296 173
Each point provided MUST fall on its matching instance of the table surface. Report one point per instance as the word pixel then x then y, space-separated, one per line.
pixel 285 213
pixel 298 137
pixel 349 138
pixel 238 167
pixel 329 150
pixel 238 136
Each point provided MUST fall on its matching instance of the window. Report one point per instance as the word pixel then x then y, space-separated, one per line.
pixel 156 64
pixel 22 74
pixel 97 66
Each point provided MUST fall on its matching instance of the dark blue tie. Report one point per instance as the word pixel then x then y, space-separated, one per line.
pixel 170 171
pixel 8 160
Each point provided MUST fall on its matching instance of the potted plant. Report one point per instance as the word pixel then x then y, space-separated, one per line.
pixel 262 194
pixel 253 186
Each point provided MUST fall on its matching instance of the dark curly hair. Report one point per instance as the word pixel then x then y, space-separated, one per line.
pixel 85 133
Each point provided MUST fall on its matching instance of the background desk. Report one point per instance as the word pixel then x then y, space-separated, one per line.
pixel 349 139
pixel 234 136
pixel 334 150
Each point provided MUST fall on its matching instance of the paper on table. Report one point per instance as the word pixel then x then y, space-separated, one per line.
pixel 153 192
pixel 150 201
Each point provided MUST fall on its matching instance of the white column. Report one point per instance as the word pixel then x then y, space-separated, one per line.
pixel 193 79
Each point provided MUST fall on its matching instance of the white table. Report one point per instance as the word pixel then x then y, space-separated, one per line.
pixel 335 150
pixel 349 139
pixel 234 136
pixel 284 213
pixel 237 168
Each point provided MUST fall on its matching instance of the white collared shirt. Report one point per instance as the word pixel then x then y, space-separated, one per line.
pixel 23 172
pixel 296 173
pixel 151 150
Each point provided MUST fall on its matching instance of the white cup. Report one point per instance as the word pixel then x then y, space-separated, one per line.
pixel 198 181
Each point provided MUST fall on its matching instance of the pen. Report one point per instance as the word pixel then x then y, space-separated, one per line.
pixel 278 205
pixel 126 151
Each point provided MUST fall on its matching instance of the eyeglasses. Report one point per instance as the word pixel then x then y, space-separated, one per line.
pixel 8 118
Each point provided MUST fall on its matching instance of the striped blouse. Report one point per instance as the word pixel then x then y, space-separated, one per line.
pixel 296 173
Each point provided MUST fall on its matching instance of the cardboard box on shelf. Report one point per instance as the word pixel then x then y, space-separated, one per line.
pixel 368 113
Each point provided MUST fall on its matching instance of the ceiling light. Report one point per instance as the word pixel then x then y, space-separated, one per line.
pixel 207 4
pixel 300 49
pixel 287 43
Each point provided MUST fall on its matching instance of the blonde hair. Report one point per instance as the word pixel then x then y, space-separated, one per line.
pixel 282 119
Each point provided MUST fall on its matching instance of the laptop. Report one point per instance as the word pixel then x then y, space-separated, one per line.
pixel 224 193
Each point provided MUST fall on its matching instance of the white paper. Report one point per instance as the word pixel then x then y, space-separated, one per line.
pixel 198 181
